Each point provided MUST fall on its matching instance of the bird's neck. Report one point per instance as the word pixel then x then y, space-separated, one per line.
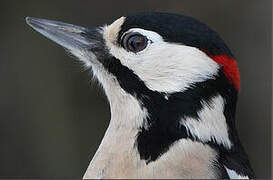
pixel 119 157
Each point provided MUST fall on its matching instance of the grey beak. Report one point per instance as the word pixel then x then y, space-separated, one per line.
pixel 67 35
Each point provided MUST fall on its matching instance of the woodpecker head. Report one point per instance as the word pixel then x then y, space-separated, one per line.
pixel 179 71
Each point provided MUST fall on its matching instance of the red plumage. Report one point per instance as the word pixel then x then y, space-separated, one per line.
pixel 230 68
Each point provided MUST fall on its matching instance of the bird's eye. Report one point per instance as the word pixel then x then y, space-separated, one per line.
pixel 134 42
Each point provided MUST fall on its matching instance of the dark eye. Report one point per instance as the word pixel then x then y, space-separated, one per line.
pixel 134 42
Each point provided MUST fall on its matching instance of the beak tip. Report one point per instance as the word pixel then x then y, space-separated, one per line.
pixel 67 35
pixel 29 20
pixel 36 23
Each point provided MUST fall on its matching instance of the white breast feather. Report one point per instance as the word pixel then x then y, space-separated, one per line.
pixel 233 175
pixel 211 124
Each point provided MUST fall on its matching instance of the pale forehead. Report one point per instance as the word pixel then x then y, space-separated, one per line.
pixel 111 31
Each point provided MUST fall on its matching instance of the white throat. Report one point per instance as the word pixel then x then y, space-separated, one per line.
pixel 117 151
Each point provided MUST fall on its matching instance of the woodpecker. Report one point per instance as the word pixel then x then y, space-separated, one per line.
pixel 172 85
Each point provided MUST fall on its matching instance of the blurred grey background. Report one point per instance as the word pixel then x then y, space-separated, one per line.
pixel 53 117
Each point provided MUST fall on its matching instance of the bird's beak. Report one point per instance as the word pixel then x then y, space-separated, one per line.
pixel 69 36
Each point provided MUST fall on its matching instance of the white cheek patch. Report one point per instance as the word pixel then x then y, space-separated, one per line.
pixel 172 68
pixel 211 125
pixel 162 66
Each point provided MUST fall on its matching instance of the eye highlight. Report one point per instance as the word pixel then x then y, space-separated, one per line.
pixel 134 42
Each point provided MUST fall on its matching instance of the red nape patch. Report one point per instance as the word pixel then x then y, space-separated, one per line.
pixel 230 68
